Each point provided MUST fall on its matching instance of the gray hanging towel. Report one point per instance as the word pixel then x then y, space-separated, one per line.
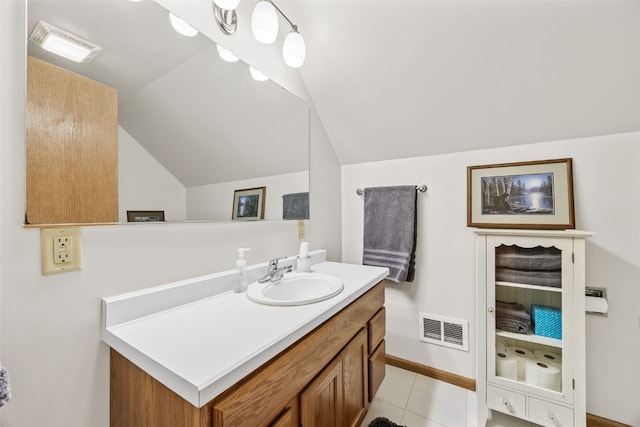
pixel 5 387
pixel 390 215
pixel 295 206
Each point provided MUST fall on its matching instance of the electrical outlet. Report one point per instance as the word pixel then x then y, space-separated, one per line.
pixel 61 250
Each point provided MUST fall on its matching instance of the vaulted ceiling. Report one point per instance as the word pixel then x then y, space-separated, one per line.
pixel 394 79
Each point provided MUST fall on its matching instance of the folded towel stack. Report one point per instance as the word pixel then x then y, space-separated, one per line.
pixel 533 266
pixel 512 317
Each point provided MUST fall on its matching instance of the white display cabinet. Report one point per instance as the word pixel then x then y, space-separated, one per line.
pixel 533 369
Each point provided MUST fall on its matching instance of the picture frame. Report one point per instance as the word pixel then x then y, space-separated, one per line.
pixel 248 204
pixel 145 216
pixel 534 194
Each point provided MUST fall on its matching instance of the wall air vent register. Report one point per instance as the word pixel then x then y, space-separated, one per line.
pixel 444 331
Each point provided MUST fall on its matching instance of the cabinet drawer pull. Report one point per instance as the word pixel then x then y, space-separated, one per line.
pixel 553 419
pixel 508 405
pixel 490 310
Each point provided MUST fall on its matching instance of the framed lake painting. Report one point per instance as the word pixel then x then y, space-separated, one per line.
pixel 535 194
pixel 248 204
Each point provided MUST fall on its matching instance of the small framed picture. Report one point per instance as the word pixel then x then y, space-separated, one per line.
pixel 145 216
pixel 248 204
pixel 535 194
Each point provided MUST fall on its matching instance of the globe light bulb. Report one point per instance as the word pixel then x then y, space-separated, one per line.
pixel 227 4
pixel 294 50
pixel 181 26
pixel 226 54
pixel 257 75
pixel 264 22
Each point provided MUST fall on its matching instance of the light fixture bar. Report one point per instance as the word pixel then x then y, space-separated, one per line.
pixel 264 24
pixel 291 24
pixel 63 43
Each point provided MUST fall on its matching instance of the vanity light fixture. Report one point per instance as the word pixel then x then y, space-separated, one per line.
pixel 225 13
pixel 226 54
pixel 181 26
pixel 264 25
pixel 257 75
pixel 63 43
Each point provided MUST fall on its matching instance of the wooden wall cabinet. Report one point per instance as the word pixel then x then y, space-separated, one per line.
pixel 72 147
pixel 543 272
pixel 323 380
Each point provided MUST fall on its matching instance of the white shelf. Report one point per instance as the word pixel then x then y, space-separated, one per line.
pixel 526 286
pixel 532 338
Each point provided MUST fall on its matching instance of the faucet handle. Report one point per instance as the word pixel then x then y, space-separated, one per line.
pixel 274 262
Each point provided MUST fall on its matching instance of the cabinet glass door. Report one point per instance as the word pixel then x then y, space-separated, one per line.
pixel 528 307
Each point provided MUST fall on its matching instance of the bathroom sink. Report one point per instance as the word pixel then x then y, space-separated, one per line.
pixel 295 289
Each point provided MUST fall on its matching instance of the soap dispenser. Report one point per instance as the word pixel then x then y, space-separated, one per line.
pixel 241 265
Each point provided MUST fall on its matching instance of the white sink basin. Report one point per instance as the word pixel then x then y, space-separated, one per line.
pixel 296 289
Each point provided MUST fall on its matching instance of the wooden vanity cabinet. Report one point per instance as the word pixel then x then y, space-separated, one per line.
pixel 320 381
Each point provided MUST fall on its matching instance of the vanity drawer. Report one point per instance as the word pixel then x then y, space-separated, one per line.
pixel 377 329
pixel 506 401
pixel 289 416
pixel 377 366
pixel 549 414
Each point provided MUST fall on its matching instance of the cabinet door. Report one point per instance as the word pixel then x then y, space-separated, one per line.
pixel 72 147
pixel 377 369
pixel 355 377
pixel 322 402
pixel 527 275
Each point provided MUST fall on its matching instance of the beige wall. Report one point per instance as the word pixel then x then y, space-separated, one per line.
pixel 606 179
pixel 50 326
pixel 145 184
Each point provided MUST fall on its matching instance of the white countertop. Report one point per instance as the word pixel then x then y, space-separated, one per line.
pixel 200 348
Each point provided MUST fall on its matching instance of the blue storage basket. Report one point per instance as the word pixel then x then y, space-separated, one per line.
pixel 547 321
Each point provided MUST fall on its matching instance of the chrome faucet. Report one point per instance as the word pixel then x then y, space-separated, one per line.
pixel 275 273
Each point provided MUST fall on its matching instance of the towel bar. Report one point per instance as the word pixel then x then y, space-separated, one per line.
pixel 421 189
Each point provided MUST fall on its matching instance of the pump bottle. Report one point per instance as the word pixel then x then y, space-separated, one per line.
pixel 241 265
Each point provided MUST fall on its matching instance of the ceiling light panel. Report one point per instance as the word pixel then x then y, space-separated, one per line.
pixel 63 43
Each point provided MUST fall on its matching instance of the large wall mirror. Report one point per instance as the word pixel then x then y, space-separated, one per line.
pixel 192 128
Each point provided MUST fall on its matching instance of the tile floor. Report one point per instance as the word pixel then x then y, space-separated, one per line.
pixel 414 400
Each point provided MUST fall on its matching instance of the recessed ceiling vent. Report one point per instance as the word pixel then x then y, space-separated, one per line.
pixel 444 331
